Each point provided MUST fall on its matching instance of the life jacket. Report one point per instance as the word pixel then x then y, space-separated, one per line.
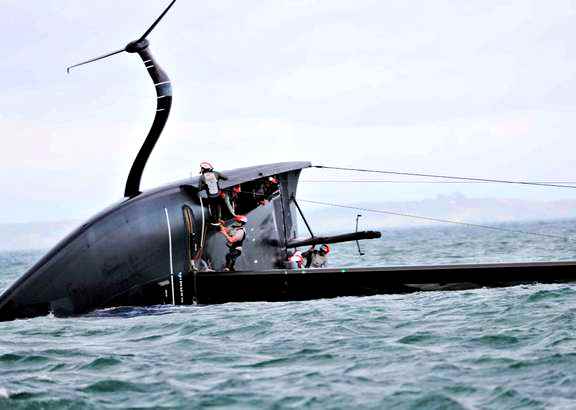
pixel 317 260
pixel 211 181
pixel 296 260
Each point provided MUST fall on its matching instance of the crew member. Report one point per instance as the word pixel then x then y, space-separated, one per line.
pixel 209 180
pixel 230 198
pixel 316 258
pixel 295 261
pixel 267 190
pixel 235 235
pixel 271 188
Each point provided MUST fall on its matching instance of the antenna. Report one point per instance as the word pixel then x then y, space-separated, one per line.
pixel 133 46
pixel 357 241
pixel 163 101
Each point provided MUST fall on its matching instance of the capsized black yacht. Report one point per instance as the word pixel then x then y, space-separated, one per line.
pixel 157 247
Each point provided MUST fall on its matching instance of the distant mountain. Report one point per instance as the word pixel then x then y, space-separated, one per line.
pixel 34 235
pixel 454 207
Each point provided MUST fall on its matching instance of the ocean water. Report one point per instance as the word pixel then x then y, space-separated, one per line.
pixel 512 348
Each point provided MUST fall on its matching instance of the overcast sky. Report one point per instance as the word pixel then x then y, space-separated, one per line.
pixel 472 88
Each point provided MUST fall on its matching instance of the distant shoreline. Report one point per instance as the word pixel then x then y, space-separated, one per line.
pixel 40 237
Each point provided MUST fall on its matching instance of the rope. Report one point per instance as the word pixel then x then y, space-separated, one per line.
pixel 499 181
pixel 425 218
pixel 567 183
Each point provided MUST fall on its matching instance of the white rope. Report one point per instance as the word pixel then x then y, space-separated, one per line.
pixel 495 228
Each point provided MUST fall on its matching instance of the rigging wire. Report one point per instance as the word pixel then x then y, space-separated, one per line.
pixel 567 183
pixel 425 218
pixel 414 174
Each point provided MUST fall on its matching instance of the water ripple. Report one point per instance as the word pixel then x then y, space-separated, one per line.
pixel 484 348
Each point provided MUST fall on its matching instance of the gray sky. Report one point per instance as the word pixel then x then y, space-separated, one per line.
pixel 472 88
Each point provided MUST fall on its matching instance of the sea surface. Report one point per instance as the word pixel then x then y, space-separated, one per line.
pixel 512 348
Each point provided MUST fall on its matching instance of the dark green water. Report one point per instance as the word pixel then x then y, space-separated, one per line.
pixel 486 348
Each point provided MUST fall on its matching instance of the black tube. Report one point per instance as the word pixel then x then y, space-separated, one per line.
pixel 163 104
pixel 347 237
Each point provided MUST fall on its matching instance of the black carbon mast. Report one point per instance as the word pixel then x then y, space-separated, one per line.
pixel 163 103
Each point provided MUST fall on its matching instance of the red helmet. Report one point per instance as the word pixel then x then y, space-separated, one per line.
pixel 237 189
pixel 325 248
pixel 241 219
pixel 206 166
pixel 273 180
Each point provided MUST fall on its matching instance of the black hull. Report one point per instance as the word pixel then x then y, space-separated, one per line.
pixel 306 284
pixel 292 285
pixel 121 256
pixel 328 283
